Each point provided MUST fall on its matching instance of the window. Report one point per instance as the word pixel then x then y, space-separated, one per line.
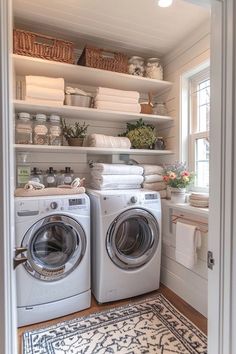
pixel 197 119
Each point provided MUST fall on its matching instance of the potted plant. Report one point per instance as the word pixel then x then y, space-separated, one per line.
pixel 177 177
pixel 140 134
pixel 74 134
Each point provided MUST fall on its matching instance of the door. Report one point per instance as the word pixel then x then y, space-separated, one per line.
pixel 55 247
pixel 132 239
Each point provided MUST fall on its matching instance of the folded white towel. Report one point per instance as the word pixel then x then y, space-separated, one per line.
pixel 107 180
pixel 115 186
pixel 116 169
pixel 106 141
pixel 117 99
pixel 155 186
pixel 188 239
pixel 152 170
pixel 46 82
pixel 119 93
pixel 44 93
pixel 153 178
pixel 43 102
pixel 121 107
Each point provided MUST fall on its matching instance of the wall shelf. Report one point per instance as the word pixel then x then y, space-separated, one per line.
pixel 87 76
pixel 89 113
pixel 89 150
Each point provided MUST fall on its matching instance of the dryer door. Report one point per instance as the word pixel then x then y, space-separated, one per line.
pixel 55 247
pixel 133 238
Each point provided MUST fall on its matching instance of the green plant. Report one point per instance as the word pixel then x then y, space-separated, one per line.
pixel 74 131
pixel 140 134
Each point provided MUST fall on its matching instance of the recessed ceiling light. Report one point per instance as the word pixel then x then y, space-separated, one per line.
pixel 165 3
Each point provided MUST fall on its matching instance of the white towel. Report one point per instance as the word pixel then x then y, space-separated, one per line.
pixel 115 186
pixel 47 82
pixel 119 93
pixel 188 239
pixel 121 107
pixel 44 93
pixel 116 169
pixel 153 178
pixel 152 170
pixel 155 186
pixel 116 99
pixel 44 102
pixel 106 141
pixel 106 180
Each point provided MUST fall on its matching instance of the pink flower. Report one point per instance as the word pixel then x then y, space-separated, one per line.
pixel 172 175
pixel 185 173
pixel 166 179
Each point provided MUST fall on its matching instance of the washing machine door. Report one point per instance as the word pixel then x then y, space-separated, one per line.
pixel 55 247
pixel 133 238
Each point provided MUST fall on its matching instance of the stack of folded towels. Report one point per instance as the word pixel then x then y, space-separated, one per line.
pixel 44 90
pixel 116 176
pixel 153 179
pixel 117 100
pixel 200 200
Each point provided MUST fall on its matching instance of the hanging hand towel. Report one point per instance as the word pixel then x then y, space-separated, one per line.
pixel 121 107
pixel 119 93
pixel 46 82
pixel 116 169
pixel 117 99
pixel 188 239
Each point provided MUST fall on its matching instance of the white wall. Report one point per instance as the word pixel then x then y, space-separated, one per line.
pixel 191 285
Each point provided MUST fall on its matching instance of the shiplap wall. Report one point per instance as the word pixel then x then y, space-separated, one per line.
pixel 191 285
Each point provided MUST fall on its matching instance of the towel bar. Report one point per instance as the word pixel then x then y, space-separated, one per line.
pixel 175 218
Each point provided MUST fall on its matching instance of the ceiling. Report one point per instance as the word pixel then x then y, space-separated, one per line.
pixel 133 26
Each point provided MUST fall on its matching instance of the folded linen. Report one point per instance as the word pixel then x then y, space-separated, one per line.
pixel 106 141
pixel 199 196
pixel 152 170
pixel 106 180
pixel 121 107
pixel 188 239
pixel 116 169
pixel 44 102
pixel 116 99
pixel 119 93
pixel 44 93
pixel 155 186
pixel 46 82
pixel 115 186
pixel 153 178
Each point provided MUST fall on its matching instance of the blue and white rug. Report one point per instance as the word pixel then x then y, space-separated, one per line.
pixel 149 326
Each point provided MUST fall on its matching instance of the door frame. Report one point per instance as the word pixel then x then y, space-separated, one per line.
pixel 222 220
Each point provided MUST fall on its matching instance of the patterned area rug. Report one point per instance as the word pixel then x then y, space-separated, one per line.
pixel 149 326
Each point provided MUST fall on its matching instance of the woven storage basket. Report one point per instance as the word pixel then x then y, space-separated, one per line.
pixel 104 59
pixel 41 46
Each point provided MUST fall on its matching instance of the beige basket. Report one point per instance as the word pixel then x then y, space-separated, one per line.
pixel 41 46
pixel 104 59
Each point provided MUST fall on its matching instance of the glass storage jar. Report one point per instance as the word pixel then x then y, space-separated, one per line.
pixel 24 129
pixel 154 69
pixel 51 178
pixel 41 130
pixel 160 109
pixel 67 176
pixel 36 175
pixel 55 131
pixel 136 66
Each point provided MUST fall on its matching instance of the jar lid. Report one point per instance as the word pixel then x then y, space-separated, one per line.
pixel 136 58
pixel 42 117
pixel 153 59
pixel 24 115
pixel 54 118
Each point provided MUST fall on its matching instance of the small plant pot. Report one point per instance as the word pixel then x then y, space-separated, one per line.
pixel 178 195
pixel 75 141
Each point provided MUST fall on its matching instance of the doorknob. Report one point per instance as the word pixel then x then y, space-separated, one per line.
pixel 19 260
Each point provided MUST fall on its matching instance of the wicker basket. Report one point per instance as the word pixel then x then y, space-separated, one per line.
pixel 103 59
pixel 41 46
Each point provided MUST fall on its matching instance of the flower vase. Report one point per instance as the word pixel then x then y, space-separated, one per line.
pixel 178 195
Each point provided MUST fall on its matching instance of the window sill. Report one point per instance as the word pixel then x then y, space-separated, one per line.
pixel 185 207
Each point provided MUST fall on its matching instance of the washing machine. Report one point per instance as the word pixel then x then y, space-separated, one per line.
pixel 126 243
pixel 52 256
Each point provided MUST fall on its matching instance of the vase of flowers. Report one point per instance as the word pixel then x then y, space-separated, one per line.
pixel 177 178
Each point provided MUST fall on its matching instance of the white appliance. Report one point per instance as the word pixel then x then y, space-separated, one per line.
pixel 126 243
pixel 53 245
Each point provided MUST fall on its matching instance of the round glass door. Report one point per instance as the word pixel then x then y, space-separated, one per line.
pixel 132 238
pixel 56 246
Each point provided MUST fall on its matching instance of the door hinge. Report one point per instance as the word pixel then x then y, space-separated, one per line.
pixel 210 260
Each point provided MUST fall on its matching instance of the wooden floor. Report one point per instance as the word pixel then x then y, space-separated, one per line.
pixel 193 315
